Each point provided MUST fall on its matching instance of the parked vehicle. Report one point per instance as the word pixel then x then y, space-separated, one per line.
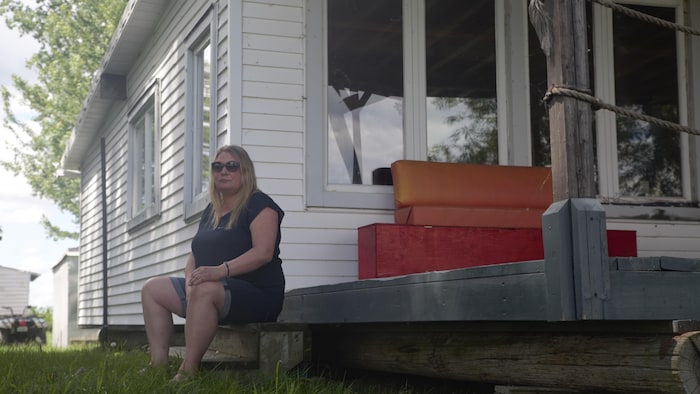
pixel 21 328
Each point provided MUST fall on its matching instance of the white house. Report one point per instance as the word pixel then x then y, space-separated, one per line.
pixel 65 303
pixel 14 290
pixel 325 95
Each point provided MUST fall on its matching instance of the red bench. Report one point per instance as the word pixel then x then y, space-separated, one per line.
pixel 452 216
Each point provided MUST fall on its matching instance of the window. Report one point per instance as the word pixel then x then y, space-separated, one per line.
pixel 637 70
pixel 460 57
pixel 201 134
pixel 402 79
pixel 643 61
pixel 457 81
pixel 143 203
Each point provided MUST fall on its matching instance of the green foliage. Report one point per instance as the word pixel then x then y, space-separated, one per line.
pixel 45 313
pixel 73 36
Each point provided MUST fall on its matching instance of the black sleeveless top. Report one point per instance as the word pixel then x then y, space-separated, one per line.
pixel 213 246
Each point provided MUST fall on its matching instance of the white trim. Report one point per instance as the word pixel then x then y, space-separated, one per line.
pixel 604 82
pixel 235 70
pixel 606 127
pixel 681 63
pixel 415 111
pixel 512 83
pixel 693 57
pixel 149 100
pixel 204 33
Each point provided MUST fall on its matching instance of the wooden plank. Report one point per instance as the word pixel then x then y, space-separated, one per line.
pixel 679 264
pixel 589 362
pixel 558 256
pixel 653 295
pixel 636 264
pixel 499 292
pixel 267 347
pixel 590 258
pixel 656 263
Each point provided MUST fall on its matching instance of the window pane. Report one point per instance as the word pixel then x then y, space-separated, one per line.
pixel 539 115
pixel 139 202
pixel 365 89
pixel 461 81
pixel 152 145
pixel 205 135
pixel 646 81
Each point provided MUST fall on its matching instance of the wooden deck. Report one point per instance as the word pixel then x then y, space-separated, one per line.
pixel 493 324
pixel 640 289
pixel 577 320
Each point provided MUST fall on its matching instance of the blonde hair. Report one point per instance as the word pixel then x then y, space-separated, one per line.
pixel 249 185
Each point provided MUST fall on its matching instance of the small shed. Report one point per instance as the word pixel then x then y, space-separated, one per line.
pixel 65 303
pixel 14 290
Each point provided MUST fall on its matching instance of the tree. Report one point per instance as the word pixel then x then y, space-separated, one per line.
pixel 73 36
pixel 473 142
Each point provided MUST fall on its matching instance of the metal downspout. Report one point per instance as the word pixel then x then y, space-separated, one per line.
pixel 103 185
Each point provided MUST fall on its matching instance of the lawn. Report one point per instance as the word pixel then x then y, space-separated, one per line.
pixel 93 369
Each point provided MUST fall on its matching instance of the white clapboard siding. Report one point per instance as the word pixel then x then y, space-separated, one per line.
pixel 14 290
pixel 261 106
pixel 663 238
pixel 160 249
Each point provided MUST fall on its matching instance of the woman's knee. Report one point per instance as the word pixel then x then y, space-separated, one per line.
pixel 207 291
pixel 160 291
pixel 152 286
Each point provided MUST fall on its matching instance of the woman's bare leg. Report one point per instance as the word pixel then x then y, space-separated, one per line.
pixel 204 303
pixel 159 301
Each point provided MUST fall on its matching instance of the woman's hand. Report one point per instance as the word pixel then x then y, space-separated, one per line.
pixel 207 274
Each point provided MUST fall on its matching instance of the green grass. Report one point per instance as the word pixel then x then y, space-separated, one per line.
pixel 93 369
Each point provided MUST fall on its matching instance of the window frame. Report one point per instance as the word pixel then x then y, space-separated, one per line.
pixel 149 100
pixel 322 194
pixel 203 34
pixel 606 127
pixel 514 126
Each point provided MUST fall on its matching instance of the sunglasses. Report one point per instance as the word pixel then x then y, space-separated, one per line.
pixel 231 166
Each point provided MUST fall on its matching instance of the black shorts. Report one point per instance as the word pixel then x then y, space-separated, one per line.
pixel 244 302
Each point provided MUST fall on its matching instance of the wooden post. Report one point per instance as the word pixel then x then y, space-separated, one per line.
pixel 561 27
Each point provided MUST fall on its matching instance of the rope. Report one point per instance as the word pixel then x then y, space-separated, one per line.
pixel 647 18
pixel 596 102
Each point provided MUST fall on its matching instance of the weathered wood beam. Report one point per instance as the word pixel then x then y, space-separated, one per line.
pixel 561 27
pixel 649 363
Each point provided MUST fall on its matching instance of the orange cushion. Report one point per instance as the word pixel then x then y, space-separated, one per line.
pixel 471 217
pixel 457 194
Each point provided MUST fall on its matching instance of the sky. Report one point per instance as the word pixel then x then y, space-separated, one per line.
pixel 25 245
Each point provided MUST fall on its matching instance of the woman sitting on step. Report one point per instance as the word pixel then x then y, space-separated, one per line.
pixel 233 274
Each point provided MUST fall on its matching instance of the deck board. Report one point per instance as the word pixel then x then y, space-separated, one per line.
pixel 641 289
pixel 497 292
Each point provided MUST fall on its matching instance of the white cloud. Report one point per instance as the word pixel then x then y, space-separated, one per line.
pixel 15 50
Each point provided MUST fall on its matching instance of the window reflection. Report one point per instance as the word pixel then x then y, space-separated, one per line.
pixel 461 81
pixel 365 88
pixel 204 60
pixel 646 81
